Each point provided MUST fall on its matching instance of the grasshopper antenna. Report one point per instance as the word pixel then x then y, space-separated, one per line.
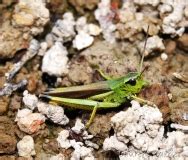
pixel 142 59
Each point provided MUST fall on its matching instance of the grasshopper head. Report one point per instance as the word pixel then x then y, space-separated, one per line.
pixel 134 83
pixel 131 78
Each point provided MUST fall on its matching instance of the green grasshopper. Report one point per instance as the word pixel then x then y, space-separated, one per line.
pixel 115 91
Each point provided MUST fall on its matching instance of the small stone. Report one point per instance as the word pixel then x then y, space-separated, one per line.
pixel 139 16
pixel 23 19
pixel 154 44
pixel 29 122
pixel 126 16
pixel 54 113
pixel 63 140
pixel 55 60
pixel 112 143
pixel 164 56
pixel 30 16
pixel 30 100
pixel 26 147
pixel 7 143
pixel 79 126
pixel 186 11
pixel 94 30
pixel 58 157
pixel 43 48
pixel 82 40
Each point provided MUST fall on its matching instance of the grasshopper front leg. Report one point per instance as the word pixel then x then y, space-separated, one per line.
pixel 143 101
pixel 104 75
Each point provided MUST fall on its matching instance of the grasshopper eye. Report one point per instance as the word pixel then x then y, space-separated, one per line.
pixel 132 82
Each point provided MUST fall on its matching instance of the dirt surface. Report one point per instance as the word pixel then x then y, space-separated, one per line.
pixel 7 136
pixel 169 93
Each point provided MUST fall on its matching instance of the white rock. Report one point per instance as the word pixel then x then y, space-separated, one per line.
pixel 154 43
pixel 186 11
pixel 34 46
pixel 135 104
pixel 30 100
pixel 55 60
pixel 164 56
pixel 29 122
pixel 87 136
pixel 43 48
pixel 64 29
pixel 81 152
pixel 105 15
pixel 33 15
pixel 50 40
pixel 76 144
pixel 176 138
pixel 179 127
pixel 81 25
pixel 139 16
pixel 26 147
pixel 150 115
pixel 171 21
pixel 79 126
pixel 58 157
pixel 113 144
pixel 94 30
pixel 91 144
pixel 82 40
pixel 185 151
pixel 62 139
pixel 22 113
pixel 54 113
pixel 165 8
pixel 153 3
pixel 143 135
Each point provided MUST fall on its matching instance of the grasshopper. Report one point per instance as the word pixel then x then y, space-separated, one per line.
pixel 115 91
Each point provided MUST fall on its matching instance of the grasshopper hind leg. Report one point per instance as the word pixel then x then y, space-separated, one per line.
pixel 92 116
pixel 101 96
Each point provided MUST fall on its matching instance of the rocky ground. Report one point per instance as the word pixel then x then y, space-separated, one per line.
pixel 55 43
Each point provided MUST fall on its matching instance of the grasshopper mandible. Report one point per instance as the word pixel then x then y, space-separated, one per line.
pixel 115 92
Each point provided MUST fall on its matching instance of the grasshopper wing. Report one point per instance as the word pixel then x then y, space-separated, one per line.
pixel 80 91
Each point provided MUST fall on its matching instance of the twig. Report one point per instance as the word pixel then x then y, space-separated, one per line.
pixel 32 51
pixel 9 87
